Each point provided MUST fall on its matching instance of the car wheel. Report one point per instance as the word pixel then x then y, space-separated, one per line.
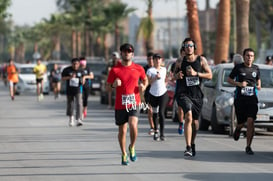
pixel 233 121
pixel 203 124
pixel 216 128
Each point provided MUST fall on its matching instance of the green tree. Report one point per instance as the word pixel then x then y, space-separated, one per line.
pixel 146 28
pixel 4 4
pixel 115 12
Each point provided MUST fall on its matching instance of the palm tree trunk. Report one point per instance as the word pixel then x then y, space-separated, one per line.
pixel 79 44
pixel 105 47
pixel 117 37
pixel 242 12
pixel 150 43
pixel 223 32
pixel 193 21
pixel 74 43
pixel 56 54
pixel 87 43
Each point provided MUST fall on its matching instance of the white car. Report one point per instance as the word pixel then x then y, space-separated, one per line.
pixel 218 110
pixel 27 79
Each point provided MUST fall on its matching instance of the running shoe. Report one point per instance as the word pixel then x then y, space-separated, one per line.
pixel 188 152
pixel 193 149
pixel 151 132
pixel 132 152
pixel 162 138
pixel 71 121
pixel 79 123
pixel 84 114
pixel 249 151
pixel 180 128
pixel 124 160
pixel 156 136
pixel 236 134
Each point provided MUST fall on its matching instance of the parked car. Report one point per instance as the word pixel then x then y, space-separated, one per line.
pixel 218 100
pixel 27 79
pixel 97 67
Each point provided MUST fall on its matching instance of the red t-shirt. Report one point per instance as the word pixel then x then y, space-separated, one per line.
pixel 127 95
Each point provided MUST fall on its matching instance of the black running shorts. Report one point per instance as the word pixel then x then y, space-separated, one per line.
pixel 122 116
pixel 190 104
pixel 245 109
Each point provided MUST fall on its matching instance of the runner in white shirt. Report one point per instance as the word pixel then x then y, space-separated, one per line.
pixel 158 95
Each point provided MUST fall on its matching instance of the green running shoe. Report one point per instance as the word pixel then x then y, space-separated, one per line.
pixel 132 154
pixel 124 160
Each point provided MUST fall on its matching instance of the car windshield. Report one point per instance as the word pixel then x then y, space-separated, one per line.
pixel 266 78
pixel 26 70
pixel 96 67
pixel 226 73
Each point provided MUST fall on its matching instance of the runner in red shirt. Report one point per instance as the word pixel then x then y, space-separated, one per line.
pixel 124 77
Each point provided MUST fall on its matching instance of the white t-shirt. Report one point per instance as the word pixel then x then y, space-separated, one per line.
pixel 158 87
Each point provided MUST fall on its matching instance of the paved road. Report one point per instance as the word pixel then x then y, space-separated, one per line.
pixel 37 144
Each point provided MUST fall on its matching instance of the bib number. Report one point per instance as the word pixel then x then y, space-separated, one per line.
pixel 192 81
pixel 247 91
pixel 74 82
pixel 128 99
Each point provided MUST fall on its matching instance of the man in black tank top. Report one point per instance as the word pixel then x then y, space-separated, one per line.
pixel 188 92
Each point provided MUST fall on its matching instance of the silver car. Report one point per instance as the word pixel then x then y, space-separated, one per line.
pixel 27 79
pixel 218 110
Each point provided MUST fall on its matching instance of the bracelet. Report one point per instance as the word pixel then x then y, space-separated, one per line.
pixel 112 86
pixel 197 74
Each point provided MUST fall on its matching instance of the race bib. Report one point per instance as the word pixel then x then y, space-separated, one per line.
pixel 74 82
pixel 192 81
pixel 247 91
pixel 128 99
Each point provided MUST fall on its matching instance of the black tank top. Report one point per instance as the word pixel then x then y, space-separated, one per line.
pixel 190 85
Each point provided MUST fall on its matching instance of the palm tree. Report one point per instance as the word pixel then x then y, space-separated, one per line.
pixel 193 21
pixel 3 8
pixel 223 32
pixel 146 28
pixel 116 12
pixel 242 16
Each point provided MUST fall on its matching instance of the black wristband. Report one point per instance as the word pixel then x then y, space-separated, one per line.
pixel 112 86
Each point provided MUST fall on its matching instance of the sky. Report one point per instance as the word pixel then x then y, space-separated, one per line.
pixel 29 12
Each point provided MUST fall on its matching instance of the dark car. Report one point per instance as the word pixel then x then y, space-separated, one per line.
pixel 97 66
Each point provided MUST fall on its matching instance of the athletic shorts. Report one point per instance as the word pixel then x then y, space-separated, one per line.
pixel 147 95
pixel 11 84
pixel 190 104
pixel 39 80
pixel 246 109
pixel 122 116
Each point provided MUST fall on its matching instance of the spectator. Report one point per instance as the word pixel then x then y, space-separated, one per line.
pixel 269 60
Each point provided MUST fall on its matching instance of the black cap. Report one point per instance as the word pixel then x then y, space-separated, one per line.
pixel 126 46
pixel 75 60
pixel 150 54
pixel 156 55
pixel 268 58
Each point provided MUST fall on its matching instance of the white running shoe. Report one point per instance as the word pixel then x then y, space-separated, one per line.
pixel 71 121
pixel 79 122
